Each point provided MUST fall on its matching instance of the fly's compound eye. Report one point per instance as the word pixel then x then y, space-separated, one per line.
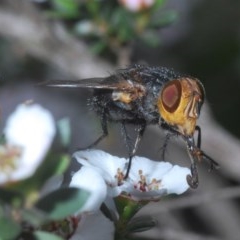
pixel 179 104
pixel 171 96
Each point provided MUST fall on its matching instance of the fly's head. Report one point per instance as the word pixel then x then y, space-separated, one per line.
pixel 180 102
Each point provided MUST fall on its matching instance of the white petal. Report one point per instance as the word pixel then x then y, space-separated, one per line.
pixel 136 5
pixel 149 168
pixel 106 164
pixel 150 180
pixel 114 191
pixel 94 227
pixel 89 179
pixel 176 180
pixel 30 128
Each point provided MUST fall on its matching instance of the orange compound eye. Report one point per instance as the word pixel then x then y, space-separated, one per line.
pixel 171 95
pixel 179 104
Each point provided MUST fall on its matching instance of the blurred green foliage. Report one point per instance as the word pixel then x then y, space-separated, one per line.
pixel 109 25
pixel 25 209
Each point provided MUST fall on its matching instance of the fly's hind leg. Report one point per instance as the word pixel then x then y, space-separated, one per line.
pixel 104 132
pixel 213 164
pixel 132 149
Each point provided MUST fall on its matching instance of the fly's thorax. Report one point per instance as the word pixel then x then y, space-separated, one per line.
pixel 121 96
pixel 129 92
pixel 179 104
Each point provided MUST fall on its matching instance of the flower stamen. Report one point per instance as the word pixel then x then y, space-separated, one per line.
pixel 9 156
pixel 142 183
pixel 154 184
pixel 119 176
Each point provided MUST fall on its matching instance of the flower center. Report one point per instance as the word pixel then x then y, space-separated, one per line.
pixel 9 159
pixel 145 184
pixel 119 176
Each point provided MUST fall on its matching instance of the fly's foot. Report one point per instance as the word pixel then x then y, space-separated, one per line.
pixel 192 179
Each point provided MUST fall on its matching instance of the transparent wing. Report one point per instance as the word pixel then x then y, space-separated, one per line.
pixel 96 83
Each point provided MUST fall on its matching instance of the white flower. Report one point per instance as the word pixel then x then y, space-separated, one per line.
pixel 29 133
pixel 94 227
pixel 152 180
pixel 103 175
pixel 147 180
pixel 137 5
pixel 111 168
pixel 89 179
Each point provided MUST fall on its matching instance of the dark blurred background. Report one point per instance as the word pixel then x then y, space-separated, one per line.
pixel 203 42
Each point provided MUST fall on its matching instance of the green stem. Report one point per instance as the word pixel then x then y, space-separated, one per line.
pixel 127 208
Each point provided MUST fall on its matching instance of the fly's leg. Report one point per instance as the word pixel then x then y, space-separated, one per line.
pixel 128 143
pixel 201 154
pixel 140 132
pixel 193 178
pixel 132 150
pixel 196 154
pixel 104 132
pixel 199 136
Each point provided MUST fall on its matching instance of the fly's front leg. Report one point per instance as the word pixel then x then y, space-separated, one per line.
pixel 199 136
pixel 193 178
pixel 132 150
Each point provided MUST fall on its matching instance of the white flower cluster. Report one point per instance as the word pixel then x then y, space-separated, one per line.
pixel 103 176
pixel 136 5
pixel 29 133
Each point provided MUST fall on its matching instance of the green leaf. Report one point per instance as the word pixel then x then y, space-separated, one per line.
pixel 64 129
pixel 159 3
pixel 98 47
pixel 66 8
pixel 52 165
pixel 122 25
pixel 2 139
pixel 93 8
pixel 8 229
pixel 11 197
pixel 62 202
pixel 34 216
pixel 127 208
pixel 141 224
pixel 41 235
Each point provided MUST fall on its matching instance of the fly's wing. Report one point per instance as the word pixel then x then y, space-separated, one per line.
pixel 124 89
pixel 111 83
pixel 97 83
